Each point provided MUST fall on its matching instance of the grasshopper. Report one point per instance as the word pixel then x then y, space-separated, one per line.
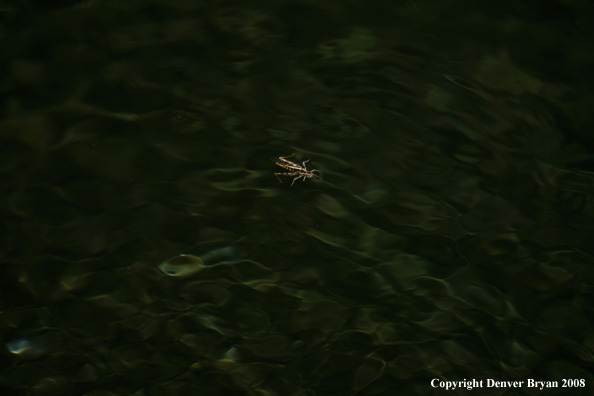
pixel 299 171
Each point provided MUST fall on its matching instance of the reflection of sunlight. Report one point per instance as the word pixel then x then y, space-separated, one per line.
pixel 182 265
pixel 19 346
pixel 25 348
pixel 231 355
pixel 188 264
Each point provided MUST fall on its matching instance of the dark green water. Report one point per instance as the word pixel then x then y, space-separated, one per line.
pixel 450 237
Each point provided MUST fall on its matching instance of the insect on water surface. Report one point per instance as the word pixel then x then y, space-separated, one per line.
pixel 299 171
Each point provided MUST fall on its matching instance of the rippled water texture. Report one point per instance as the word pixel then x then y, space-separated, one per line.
pixel 147 247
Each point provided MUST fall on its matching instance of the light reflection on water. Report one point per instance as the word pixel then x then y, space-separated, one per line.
pixel 186 265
